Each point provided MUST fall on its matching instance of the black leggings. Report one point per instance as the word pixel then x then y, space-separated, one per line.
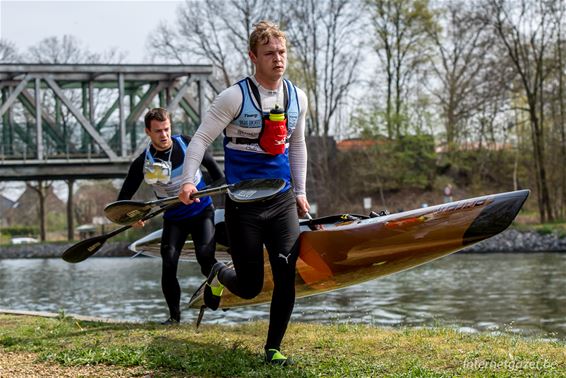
pixel 274 223
pixel 175 232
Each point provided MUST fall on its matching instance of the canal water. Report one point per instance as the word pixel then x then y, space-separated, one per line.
pixel 513 293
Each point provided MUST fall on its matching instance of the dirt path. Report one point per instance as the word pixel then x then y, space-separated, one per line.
pixel 25 365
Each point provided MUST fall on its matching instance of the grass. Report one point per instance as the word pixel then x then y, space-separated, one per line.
pixel 319 350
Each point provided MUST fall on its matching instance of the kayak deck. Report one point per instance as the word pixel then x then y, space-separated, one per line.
pixel 344 250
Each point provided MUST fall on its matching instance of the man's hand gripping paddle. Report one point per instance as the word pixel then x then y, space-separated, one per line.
pixel 128 212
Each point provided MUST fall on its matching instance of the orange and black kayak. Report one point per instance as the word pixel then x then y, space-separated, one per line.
pixel 343 250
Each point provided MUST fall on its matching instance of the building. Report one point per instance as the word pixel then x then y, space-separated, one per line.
pixel 5 206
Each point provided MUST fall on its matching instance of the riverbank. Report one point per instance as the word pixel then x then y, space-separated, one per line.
pixel 509 241
pixel 513 240
pixel 51 250
pixel 64 346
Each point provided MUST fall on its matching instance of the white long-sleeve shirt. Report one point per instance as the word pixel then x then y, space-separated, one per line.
pixel 225 108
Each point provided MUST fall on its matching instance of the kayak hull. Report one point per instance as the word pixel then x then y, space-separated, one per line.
pixel 340 251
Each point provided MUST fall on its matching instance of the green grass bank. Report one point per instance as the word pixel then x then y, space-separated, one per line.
pixel 37 346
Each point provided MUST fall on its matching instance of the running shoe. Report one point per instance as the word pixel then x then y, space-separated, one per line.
pixel 170 321
pixel 275 357
pixel 213 288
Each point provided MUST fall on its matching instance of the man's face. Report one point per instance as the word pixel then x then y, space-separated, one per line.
pixel 160 134
pixel 270 59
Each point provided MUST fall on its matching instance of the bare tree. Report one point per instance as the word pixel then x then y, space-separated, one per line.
pixel 325 55
pixel 8 52
pixel 215 32
pixel 559 11
pixel 68 49
pixel 53 49
pixel 41 189
pixel 402 29
pixel 525 32
pixel 91 199
pixel 462 46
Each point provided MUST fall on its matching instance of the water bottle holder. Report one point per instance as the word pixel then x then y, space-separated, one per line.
pixel 273 136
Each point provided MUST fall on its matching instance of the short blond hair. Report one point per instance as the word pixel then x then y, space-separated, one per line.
pixel 263 31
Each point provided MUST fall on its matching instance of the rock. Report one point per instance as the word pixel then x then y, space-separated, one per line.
pixel 512 240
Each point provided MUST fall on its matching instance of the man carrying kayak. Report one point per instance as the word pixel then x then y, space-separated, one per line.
pixel 161 166
pixel 259 145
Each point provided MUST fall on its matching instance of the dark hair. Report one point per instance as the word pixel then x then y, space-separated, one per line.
pixel 156 114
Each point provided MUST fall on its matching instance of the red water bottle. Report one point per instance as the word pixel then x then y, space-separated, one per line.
pixel 273 135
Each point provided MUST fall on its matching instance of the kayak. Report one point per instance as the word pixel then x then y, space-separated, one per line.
pixel 344 250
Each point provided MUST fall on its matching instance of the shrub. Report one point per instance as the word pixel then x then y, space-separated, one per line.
pixel 19 230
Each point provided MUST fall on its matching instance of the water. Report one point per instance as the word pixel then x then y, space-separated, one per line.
pixel 512 293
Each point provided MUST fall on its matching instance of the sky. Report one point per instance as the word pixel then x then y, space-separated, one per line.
pixel 98 25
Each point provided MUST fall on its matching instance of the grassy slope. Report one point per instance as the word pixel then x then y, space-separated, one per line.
pixel 319 350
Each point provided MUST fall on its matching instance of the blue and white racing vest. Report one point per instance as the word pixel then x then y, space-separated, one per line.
pixel 173 187
pixel 244 161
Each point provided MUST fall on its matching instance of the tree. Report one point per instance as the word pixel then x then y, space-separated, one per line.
pixel 68 49
pixel 525 32
pixel 463 57
pixel 8 52
pixel 559 108
pixel 324 55
pixel 213 32
pixel 91 198
pixel 41 189
pixel 402 29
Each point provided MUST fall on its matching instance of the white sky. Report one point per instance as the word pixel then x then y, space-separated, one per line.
pixel 98 25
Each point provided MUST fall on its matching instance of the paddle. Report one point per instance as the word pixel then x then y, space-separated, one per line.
pixel 88 247
pixel 128 212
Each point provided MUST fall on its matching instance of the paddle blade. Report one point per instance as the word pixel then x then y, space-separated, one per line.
pixel 126 212
pixel 83 249
pixel 255 190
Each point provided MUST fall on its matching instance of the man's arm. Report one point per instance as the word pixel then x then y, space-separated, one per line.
pixel 208 162
pixel 212 167
pixel 222 111
pixel 298 156
pixel 132 183
pixel 133 179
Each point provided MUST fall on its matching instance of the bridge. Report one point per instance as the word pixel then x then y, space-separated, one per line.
pixel 85 121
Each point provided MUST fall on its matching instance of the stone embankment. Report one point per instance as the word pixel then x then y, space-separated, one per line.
pixel 517 241
pixel 508 241
pixel 109 249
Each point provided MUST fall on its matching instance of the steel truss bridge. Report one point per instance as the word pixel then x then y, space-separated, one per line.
pixel 85 121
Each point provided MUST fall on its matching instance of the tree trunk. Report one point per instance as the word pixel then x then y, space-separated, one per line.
pixel 561 122
pixel 70 225
pixel 41 191
pixel 543 197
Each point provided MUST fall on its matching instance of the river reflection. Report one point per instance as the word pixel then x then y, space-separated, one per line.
pixel 522 293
